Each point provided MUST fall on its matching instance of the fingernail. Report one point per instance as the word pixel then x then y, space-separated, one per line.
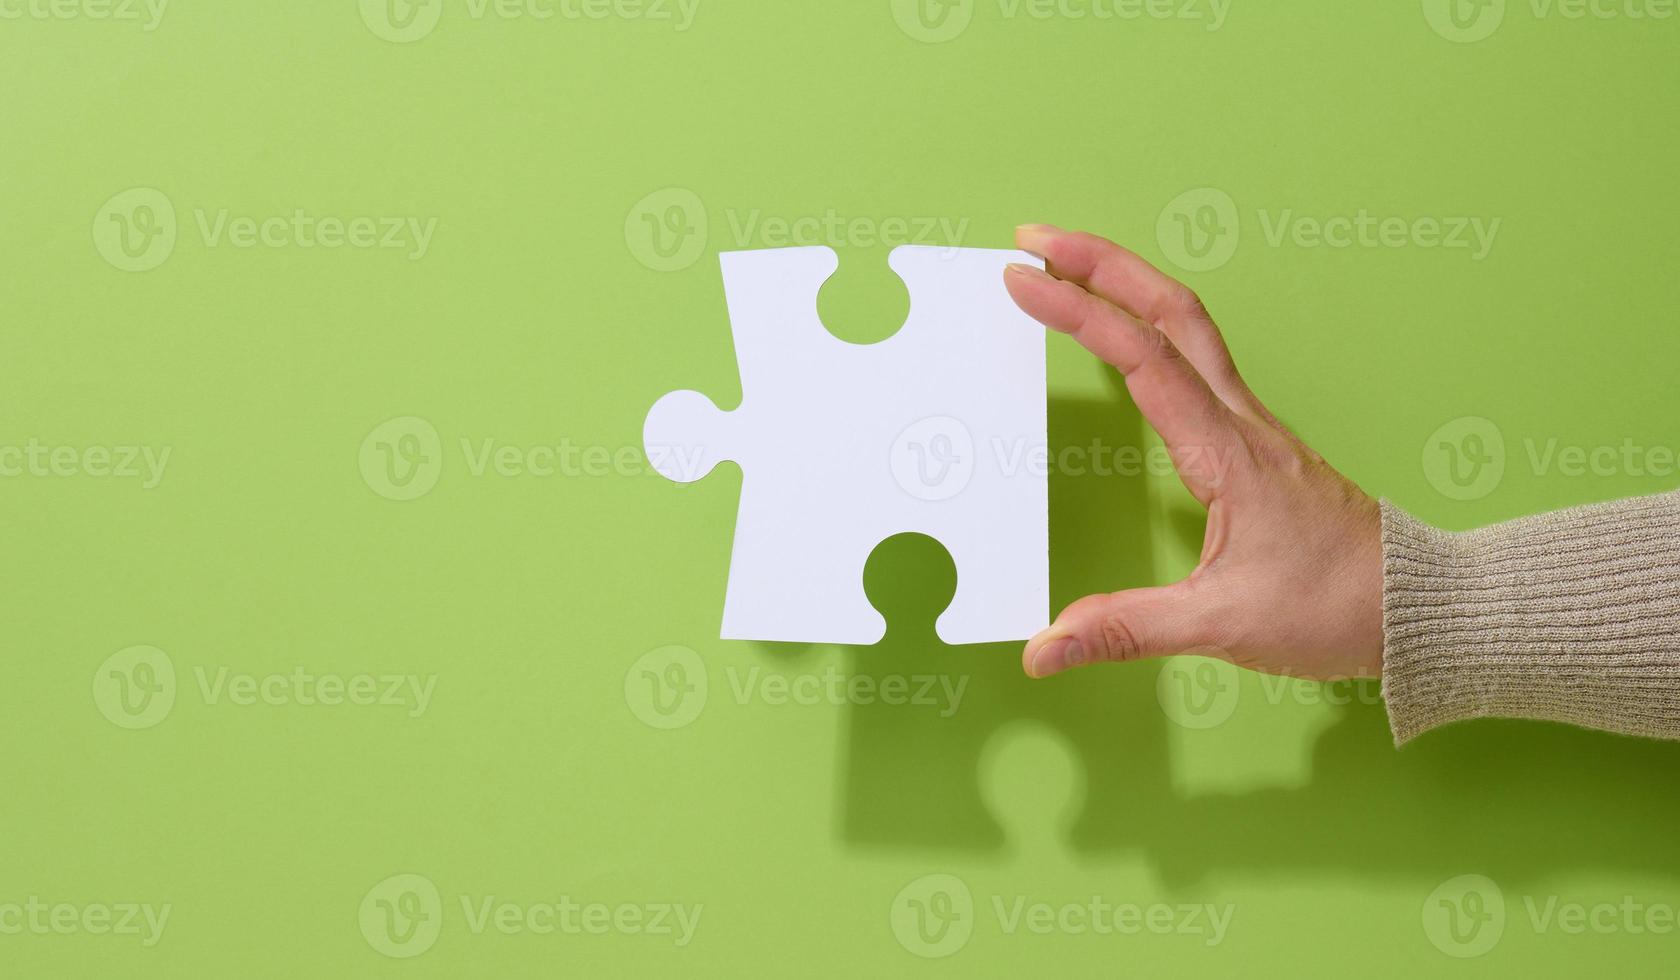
pixel 1035 238
pixel 1058 655
pixel 1025 271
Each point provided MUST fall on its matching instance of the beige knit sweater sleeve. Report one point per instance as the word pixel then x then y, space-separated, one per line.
pixel 1572 616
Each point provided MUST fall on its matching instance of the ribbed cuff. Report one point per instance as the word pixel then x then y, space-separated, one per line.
pixel 1572 616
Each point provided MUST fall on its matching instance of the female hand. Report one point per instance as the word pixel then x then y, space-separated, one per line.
pixel 1290 578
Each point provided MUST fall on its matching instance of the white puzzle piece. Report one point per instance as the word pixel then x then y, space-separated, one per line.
pixel 940 429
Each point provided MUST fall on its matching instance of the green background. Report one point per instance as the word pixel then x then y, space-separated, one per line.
pixel 534 318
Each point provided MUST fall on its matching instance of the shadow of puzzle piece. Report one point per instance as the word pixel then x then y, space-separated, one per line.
pixel 911 775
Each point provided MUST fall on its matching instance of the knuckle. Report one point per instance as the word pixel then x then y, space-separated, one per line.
pixel 1279 454
pixel 1161 347
pixel 1189 303
pixel 1119 641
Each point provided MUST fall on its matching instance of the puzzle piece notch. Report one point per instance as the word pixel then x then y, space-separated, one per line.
pixel 866 301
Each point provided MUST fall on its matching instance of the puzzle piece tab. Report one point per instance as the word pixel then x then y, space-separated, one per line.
pixel 939 429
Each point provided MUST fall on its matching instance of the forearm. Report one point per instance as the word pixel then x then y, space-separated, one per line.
pixel 1572 616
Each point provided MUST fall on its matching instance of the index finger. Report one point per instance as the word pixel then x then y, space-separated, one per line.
pixel 1199 428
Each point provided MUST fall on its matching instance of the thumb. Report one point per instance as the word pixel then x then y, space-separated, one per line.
pixel 1122 626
